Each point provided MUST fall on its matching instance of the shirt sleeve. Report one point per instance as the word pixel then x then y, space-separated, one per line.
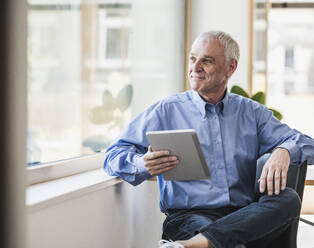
pixel 124 158
pixel 274 134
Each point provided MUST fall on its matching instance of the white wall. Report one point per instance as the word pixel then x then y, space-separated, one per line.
pixel 119 216
pixel 230 16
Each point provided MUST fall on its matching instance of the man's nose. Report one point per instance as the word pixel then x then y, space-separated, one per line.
pixel 197 66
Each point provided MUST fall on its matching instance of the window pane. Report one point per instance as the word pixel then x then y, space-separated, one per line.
pixel 291 66
pixel 114 48
pixel 259 52
pixel 93 66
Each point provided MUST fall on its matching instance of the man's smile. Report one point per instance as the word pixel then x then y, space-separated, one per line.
pixel 197 76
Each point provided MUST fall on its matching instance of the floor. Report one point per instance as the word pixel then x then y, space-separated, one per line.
pixel 306 233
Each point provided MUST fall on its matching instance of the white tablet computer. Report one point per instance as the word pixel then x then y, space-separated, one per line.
pixel 185 145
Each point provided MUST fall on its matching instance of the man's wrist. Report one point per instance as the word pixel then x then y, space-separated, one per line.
pixel 281 149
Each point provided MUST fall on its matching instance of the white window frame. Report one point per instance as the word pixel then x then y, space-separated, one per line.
pixel 54 170
pixel 64 168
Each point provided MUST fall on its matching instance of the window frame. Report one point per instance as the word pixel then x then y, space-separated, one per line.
pixel 64 168
pixel 67 167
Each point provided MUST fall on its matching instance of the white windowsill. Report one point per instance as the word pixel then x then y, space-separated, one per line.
pixel 45 194
pixel 64 168
pixel 310 172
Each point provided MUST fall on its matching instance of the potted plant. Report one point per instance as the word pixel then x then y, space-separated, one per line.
pixel 259 97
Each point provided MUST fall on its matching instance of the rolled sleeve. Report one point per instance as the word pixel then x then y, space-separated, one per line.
pixel 143 173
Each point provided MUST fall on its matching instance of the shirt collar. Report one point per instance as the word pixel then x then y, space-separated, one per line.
pixel 201 104
pixel 225 101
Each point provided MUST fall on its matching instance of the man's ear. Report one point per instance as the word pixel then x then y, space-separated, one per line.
pixel 232 66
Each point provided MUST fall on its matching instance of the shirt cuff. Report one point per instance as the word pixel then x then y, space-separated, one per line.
pixel 293 150
pixel 143 173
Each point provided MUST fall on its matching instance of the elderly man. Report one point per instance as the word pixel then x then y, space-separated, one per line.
pixel 234 132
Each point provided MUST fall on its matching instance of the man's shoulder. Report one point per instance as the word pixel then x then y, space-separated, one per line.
pixel 168 102
pixel 177 98
pixel 244 101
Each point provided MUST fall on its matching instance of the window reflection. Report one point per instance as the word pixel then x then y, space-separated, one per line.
pixel 291 65
pixel 93 64
pixel 79 74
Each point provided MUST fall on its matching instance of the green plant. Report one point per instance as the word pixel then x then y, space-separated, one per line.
pixel 110 114
pixel 112 109
pixel 259 97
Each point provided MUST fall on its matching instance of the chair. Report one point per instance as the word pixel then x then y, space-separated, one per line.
pixel 296 180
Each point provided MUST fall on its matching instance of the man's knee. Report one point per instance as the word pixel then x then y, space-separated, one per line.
pixel 290 200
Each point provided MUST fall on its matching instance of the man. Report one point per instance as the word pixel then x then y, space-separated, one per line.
pixel 234 132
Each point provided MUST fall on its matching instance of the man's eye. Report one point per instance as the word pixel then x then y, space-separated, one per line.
pixel 192 59
pixel 207 61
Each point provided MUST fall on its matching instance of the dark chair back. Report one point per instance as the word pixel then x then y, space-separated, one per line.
pixel 295 180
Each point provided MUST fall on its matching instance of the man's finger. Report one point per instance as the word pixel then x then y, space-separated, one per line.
pixel 283 179
pixel 270 181
pixel 157 154
pixel 277 182
pixel 262 180
pixel 161 169
pixel 150 148
pixel 160 161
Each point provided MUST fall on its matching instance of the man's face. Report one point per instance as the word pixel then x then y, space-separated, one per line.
pixel 208 70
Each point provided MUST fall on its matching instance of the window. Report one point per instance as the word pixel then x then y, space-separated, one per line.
pixel 290 65
pixel 282 32
pixel 92 66
pixel 259 79
pixel 289 57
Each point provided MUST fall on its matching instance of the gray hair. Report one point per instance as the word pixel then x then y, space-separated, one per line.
pixel 231 47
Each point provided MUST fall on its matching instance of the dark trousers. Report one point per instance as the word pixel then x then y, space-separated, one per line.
pixel 255 225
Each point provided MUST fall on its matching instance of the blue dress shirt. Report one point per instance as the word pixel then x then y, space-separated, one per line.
pixel 233 134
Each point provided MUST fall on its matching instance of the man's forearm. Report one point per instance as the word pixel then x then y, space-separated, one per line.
pixel 126 164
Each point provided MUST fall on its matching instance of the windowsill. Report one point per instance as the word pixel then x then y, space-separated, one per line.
pixel 64 168
pixel 45 194
pixel 310 172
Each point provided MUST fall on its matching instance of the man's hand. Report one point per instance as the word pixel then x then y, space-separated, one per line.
pixel 159 162
pixel 276 168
